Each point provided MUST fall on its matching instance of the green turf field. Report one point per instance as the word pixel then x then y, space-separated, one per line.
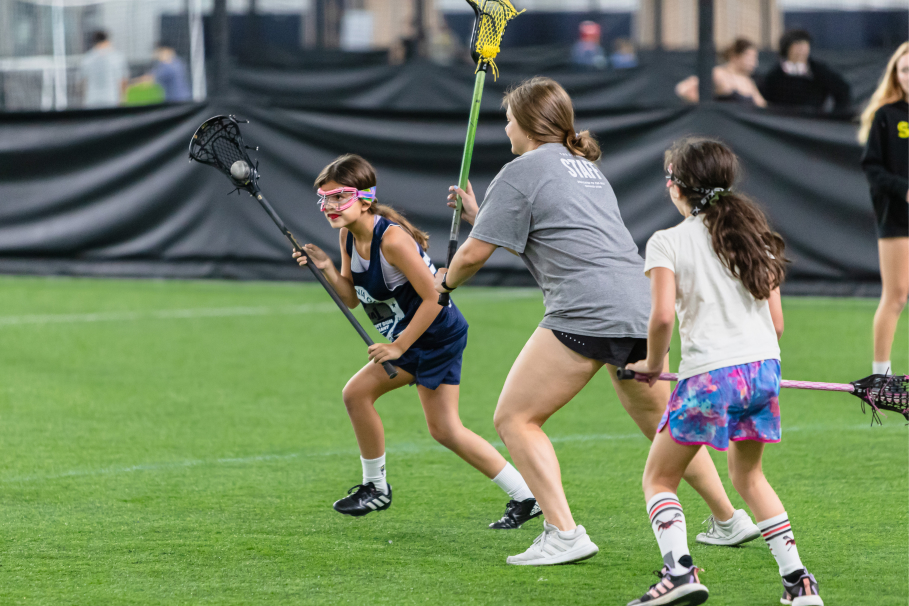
pixel 182 443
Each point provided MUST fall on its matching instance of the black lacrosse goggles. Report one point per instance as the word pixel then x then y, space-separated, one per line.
pixel 218 143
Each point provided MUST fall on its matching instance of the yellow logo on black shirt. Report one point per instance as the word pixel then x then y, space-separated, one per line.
pixel 903 129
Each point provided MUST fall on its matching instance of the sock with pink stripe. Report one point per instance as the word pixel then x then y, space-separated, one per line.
pixel 778 533
pixel 668 523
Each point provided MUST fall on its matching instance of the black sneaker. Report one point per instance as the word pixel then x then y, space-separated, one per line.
pixel 518 512
pixel 802 592
pixel 363 499
pixel 682 590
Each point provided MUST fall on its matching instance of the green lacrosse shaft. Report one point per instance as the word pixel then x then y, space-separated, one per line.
pixel 465 167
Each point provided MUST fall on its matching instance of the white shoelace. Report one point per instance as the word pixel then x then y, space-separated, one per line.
pixel 540 542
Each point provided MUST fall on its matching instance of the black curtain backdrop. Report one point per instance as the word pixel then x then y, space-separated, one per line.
pixel 306 81
pixel 111 192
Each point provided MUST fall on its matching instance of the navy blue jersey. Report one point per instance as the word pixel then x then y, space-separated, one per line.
pixel 391 309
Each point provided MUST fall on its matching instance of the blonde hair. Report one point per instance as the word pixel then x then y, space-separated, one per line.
pixel 351 170
pixel 888 91
pixel 543 110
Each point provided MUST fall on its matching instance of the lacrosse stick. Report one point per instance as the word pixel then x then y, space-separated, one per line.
pixel 880 392
pixel 218 143
pixel 491 17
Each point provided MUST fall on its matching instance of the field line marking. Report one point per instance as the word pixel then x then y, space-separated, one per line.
pixel 400 449
pixel 220 312
pixel 165 314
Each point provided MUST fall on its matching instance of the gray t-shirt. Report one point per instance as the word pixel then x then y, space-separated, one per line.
pixel 560 214
pixel 103 70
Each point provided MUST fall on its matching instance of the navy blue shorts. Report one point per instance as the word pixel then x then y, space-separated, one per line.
pixel 433 367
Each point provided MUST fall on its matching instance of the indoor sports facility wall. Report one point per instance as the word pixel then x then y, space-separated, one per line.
pixel 111 192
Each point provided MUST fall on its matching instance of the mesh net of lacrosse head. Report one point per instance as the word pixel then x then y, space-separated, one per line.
pixel 218 143
pixel 492 17
pixel 884 392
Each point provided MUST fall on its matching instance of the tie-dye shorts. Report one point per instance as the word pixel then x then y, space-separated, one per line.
pixel 732 403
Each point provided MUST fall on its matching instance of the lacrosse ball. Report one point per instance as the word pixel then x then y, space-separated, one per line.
pixel 239 170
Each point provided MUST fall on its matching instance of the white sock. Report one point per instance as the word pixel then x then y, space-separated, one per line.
pixel 778 535
pixel 881 368
pixel 668 523
pixel 511 481
pixel 374 471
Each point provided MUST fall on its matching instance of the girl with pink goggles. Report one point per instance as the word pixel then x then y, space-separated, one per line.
pixel 335 199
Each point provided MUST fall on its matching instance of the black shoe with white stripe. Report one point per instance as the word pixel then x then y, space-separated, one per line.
pixel 518 512
pixel 363 499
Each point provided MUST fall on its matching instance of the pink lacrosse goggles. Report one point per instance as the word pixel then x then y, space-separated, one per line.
pixel 338 200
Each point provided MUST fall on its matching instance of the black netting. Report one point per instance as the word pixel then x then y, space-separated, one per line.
pixel 890 392
pixel 218 143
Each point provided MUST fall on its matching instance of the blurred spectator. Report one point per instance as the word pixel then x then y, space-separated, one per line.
pixel 443 46
pixel 732 80
pixel 800 81
pixel 623 55
pixel 104 73
pixel 587 51
pixel 171 74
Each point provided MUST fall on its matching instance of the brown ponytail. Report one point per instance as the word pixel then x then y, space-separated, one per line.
pixel 543 110
pixel 394 216
pixel 351 170
pixel 739 231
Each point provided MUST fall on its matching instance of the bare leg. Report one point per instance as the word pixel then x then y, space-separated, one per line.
pixel 666 464
pixel 646 405
pixel 749 481
pixel 894 256
pixel 441 409
pixel 360 395
pixel 545 377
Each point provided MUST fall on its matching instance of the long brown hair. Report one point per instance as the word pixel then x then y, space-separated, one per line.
pixel 351 170
pixel 739 232
pixel 543 110
pixel 888 91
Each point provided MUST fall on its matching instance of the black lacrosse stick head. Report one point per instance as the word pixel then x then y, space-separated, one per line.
pixel 884 392
pixel 477 19
pixel 218 143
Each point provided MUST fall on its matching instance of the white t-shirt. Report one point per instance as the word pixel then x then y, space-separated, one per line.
pixel 721 324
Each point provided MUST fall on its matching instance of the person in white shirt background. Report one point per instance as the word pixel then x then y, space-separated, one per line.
pixel 720 270
pixel 104 74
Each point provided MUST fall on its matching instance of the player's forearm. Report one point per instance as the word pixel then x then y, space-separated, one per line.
pixel 343 286
pixel 468 261
pixel 425 316
pixel 659 337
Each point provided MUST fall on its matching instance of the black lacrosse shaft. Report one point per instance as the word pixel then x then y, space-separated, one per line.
pixel 389 367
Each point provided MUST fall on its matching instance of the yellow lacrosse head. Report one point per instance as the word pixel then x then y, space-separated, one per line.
pixel 492 17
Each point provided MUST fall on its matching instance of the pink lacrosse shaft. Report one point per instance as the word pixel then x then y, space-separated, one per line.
pixel 671 376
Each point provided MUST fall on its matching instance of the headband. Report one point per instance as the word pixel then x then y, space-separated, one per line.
pixel 711 195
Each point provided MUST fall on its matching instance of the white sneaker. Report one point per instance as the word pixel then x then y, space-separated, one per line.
pixel 737 530
pixel 556 547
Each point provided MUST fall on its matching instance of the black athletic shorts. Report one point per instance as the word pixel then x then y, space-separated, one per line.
pixel 892 217
pixel 618 351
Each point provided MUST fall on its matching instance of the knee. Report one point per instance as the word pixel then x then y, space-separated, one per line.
pixel 443 434
pixel 499 421
pixel 354 398
pixel 743 481
pixel 504 424
pixel 895 297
